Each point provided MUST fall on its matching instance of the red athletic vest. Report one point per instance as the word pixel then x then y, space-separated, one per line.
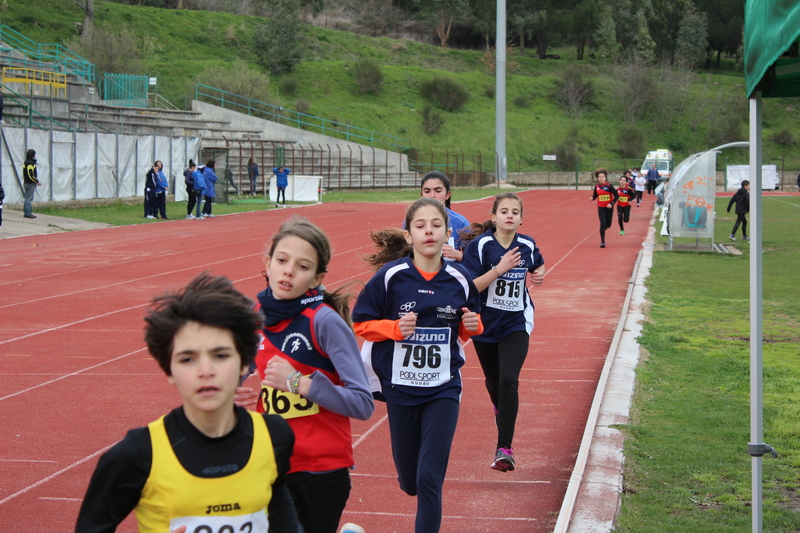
pixel 604 196
pixel 323 439
pixel 625 196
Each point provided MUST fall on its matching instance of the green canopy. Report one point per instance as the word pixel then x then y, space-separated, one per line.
pixel 771 63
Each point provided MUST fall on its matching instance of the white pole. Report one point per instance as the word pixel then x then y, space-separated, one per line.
pixel 755 447
pixel 500 94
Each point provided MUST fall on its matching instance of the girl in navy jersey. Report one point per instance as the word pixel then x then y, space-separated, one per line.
pixel 625 195
pixel 606 197
pixel 311 372
pixel 436 185
pixel 500 259
pixel 414 315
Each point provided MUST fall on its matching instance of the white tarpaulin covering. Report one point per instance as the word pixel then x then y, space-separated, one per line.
pixel 736 174
pixel 690 197
pixel 300 189
pixel 80 166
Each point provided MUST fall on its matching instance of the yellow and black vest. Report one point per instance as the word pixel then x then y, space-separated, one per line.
pixel 173 497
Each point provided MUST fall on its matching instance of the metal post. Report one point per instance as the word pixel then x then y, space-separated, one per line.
pixel 756 376
pixel 500 93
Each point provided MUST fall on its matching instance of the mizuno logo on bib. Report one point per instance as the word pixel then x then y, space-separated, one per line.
pixel 422 359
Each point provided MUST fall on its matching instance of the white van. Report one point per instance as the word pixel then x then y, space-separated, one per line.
pixel 663 161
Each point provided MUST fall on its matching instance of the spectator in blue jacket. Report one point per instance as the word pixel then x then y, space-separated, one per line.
pixel 209 179
pixel 199 187
pixel 283 181
pixel 652 180
pixel 162 186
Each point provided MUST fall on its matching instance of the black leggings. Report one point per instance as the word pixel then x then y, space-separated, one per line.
pixel 623 215
pixel 606 215
pixel 192 200
pixel 319 498
pixel 740 219
pixel 281 191
pixel 639 197
pixel 502 379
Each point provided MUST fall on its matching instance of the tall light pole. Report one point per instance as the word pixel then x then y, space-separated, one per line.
pixel 500 94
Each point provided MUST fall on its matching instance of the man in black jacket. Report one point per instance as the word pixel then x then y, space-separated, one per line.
pixel 31 180
pixel 742 201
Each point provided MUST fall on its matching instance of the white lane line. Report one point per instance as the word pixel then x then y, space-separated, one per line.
pixel 70 375
pixel 54 475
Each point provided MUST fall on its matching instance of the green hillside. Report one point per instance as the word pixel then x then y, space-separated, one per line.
pixel 178 44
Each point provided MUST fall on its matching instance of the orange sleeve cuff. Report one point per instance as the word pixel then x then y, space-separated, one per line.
pixel 378 330
pixel 464 334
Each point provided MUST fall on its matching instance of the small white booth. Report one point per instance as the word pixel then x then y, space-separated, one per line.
pixel 736 174
pixel 300 188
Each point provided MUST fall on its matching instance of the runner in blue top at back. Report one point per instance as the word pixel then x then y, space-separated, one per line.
pixel 500 260
pixel 436 185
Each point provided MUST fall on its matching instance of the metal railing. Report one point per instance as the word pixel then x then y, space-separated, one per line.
pixel 70 62
pixel 36 82
pixel 125 90
pixel 285 116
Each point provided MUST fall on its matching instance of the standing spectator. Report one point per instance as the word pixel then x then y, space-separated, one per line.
pixel 162 186
pixel 652 180
pixel 252 175
pixel 209 180
pixel 188 179
pixel 606 197
pixel 199 187
pixel 798 181
pixel 639 185
pixel 31 179
pixel 150 185
pixel 742 201
pixel 282 175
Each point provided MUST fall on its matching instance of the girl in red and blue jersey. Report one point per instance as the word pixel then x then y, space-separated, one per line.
pixel 625 195
pixel 606 197
pixel 414 314
pixel 500 261
pixel 311 372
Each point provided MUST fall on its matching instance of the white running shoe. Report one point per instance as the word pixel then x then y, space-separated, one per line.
pixel 210 215
pixel 190 217
pixel 351 528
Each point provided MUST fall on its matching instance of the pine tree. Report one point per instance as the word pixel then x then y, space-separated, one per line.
pixel 605 38
pixel 643 44
pixel 692 42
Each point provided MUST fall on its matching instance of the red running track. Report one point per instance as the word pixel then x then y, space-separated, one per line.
pixel 76 375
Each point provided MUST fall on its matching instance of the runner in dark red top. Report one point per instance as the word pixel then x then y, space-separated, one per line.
pixel 606 197
pixel 625 194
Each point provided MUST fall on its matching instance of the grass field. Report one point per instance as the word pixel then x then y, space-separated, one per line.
pixel 687 468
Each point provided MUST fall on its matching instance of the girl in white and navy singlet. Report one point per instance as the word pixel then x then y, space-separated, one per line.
pixel 415 313
pixel 501 261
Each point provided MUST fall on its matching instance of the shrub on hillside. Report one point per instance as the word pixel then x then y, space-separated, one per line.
pixel 784 137
pixel 567 152
pixel 573 92
pixel 289 86
pixel 445 92
pixel 302 106
pixel 237 78
pixel 522 101
pixel 110 51
pixel 369 76
pixel 631 142
pixel 432 119
pixel 278 41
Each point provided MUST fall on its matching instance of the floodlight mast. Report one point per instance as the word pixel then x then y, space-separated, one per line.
pixel 500 94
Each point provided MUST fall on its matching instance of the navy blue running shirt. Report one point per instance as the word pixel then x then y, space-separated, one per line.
pixel 506 304
pixel 425 365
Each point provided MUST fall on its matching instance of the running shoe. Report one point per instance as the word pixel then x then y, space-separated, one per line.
pixel 732 237
pixel 622 232
pixel 745 238
pixel 151 217
pixel 351 528
pixel 602 245
pixel 504 459
pixel 210 215
pixel 190 217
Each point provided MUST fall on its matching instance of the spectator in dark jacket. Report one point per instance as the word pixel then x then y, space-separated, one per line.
pixel 742 201
pixel 162 186
pixel 192 195
pixel 209 180
pixel 31 179
pixel 150 184
pixel 652 180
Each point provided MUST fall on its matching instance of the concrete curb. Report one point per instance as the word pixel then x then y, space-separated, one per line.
pixel 599 494
pixel 15 225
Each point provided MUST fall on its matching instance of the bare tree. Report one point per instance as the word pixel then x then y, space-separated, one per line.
pixel 88 18
pixel 573 92
pixel 633 88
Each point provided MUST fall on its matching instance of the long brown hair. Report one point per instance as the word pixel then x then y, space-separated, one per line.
pixel 391 243
pixel 301 227
pixel 478 228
